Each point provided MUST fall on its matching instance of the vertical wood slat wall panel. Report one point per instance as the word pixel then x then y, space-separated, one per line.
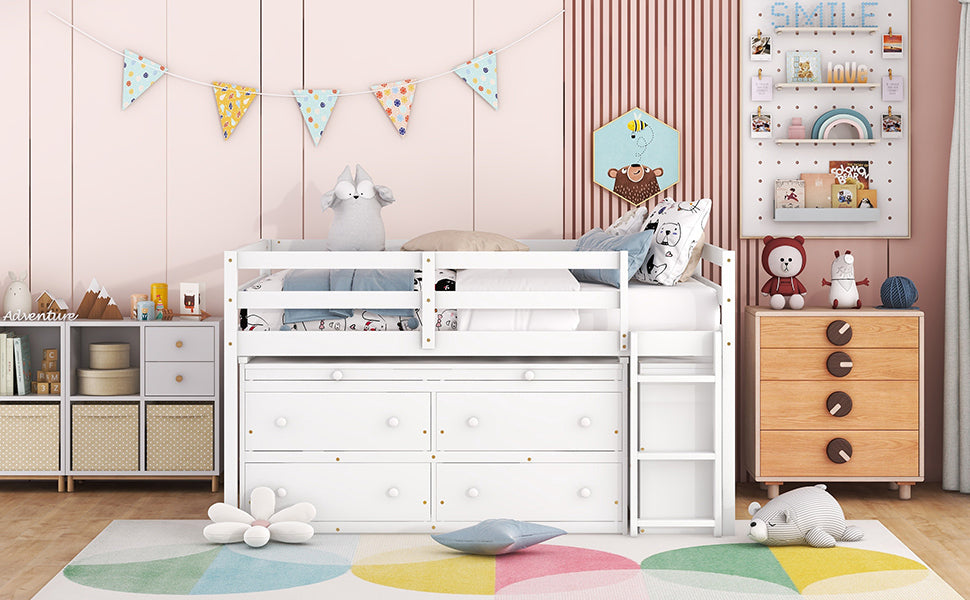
pixel 676 59
pixel 15 141
pixel 118 155
pixel 51 81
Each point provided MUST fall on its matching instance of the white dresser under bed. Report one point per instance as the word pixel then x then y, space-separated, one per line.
pixel 425 431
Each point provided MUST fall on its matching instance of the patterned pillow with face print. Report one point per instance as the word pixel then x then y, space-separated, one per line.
pixel 677 240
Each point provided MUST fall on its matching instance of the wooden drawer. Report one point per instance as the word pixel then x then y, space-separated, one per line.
pixel 789 455
pixel 892 364
pixel 348 491
pixel 351 421
pixel 179 344
pixel 867 332
pixel 874 405
pixel 529 421
pixel 529 491
pixel 179 378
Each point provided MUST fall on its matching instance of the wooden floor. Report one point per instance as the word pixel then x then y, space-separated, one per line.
pixel 44 530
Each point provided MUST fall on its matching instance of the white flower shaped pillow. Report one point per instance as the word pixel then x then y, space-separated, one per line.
pixel 290 525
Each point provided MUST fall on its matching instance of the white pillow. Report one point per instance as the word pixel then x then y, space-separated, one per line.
pixel 679 229
pixel 632 221
pixel 264 319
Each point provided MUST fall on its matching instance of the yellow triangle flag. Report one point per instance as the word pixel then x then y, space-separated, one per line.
pixel 233 101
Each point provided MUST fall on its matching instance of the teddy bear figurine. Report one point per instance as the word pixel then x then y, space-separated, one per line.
pixel 357 204
pixel 784 259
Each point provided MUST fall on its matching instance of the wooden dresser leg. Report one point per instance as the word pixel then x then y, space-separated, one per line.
pixel 70 483
pixel 215 484
pixel 905 490
pixel 60 483
pixel 773 488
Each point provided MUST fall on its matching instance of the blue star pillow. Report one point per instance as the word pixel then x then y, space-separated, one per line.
pixel 497 536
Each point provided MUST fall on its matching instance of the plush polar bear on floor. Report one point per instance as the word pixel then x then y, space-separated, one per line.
pixel 806 515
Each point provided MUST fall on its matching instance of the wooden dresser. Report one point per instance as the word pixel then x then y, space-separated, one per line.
pixel 833 395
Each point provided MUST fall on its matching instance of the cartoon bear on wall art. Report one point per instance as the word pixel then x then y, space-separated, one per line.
pixel 784 259
pixel 636 183
pixel 357 204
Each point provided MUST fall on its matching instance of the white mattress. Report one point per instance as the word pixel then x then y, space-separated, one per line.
pixel 688 306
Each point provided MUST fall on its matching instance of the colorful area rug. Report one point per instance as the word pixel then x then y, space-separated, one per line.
pixel 167 559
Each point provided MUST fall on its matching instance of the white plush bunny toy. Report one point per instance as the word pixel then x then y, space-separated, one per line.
pixel 17 296
pixel 357 205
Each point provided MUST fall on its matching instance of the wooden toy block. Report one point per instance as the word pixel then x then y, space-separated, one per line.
pixel 41 376
pixel 48 365
pixel 33 387
pixel 43 387
pixel 53 376
pixel 55 387
pixel 50 354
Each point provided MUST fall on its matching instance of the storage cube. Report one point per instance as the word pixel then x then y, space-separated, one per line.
pixel 178 437
pixel 104 437
pixel 30 437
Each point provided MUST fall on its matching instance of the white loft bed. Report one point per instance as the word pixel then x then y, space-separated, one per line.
pixel 638 370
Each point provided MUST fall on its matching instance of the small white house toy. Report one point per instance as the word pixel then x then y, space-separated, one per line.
pixel 844 292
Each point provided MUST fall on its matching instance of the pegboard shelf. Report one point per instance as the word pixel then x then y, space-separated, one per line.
pixel 835 30
pixel 827 214
pixel 814 142
pixel 830 86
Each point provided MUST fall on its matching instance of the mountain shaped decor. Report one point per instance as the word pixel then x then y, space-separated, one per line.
pixel 98 304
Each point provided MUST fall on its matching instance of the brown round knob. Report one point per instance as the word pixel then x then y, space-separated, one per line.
pixel 839 451
pixel 178 378
pixel 178 344
pixel 839 332
pixel 838 404
pixel 839 364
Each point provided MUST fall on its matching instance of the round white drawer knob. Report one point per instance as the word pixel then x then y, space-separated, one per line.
pixel 585 492
pixel 281 492
pixel 393 492
pixel 337 375
pixel 585 422
pixel 472 492
pixel 529 375
pixel 472 421
pixel 393 422
pixel 281 422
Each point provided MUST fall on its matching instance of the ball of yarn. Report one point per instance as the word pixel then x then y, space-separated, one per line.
pixel 898 292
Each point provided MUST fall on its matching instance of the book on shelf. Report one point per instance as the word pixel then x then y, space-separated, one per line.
pixel 8 367
pixel 3 362
pixel 21 345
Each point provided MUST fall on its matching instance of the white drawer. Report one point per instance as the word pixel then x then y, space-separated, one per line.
pixel 529 421
pixel 289 370
pixel 349 491
pixel 179 378
pixel 179 343
pixel 529 491
pixel 335 421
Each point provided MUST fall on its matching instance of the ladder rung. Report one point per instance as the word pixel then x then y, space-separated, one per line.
pixel 676 456
pixel 676 378
pixel 647 523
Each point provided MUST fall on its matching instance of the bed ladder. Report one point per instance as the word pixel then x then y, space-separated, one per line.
pixel 709 512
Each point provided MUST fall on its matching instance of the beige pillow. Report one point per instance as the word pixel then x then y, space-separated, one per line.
pixel 695 258
pixel 462 241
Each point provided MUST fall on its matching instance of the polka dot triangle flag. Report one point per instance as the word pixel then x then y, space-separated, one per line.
pixel 396 98
pixel 481 73
pixel 233 101
pixel 316 106
pixel 139 75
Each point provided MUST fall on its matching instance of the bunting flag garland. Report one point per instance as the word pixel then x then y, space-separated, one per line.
pixel 396 98
pixel 316 107
pixel 233 102
pixel 481 74
pixel 139 75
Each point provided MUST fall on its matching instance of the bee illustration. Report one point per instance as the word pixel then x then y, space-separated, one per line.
pixel 636 125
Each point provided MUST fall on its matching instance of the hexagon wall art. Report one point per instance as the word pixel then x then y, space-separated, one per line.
pixel 636 156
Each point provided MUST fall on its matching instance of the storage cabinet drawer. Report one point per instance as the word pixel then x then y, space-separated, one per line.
pixel 349 491
pixel 104 437
pixel 866 364
pixel 179 344
pixel 351 421
pixel 529 492
pixel 179 379
pixel 309 371
pixel 794 454
pixel 528 421
pixel 870 405
pixel 866 332
pixel 178 437
pixel 30 437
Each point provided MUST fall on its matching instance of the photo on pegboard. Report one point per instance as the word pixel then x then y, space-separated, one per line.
pixel 803 66
pixel 761 125
pixel 760 47
pixel 892 45
pixel 892 125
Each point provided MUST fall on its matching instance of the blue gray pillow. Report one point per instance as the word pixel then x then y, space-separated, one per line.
pixel 636 245
pixel 497 536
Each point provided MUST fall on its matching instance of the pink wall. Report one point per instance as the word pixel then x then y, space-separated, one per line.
pixel 154 193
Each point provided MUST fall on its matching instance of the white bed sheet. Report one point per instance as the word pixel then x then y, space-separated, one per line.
pixel 518 280
pixel 688 306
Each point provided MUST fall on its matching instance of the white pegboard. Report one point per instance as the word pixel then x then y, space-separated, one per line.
pixel 765 160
